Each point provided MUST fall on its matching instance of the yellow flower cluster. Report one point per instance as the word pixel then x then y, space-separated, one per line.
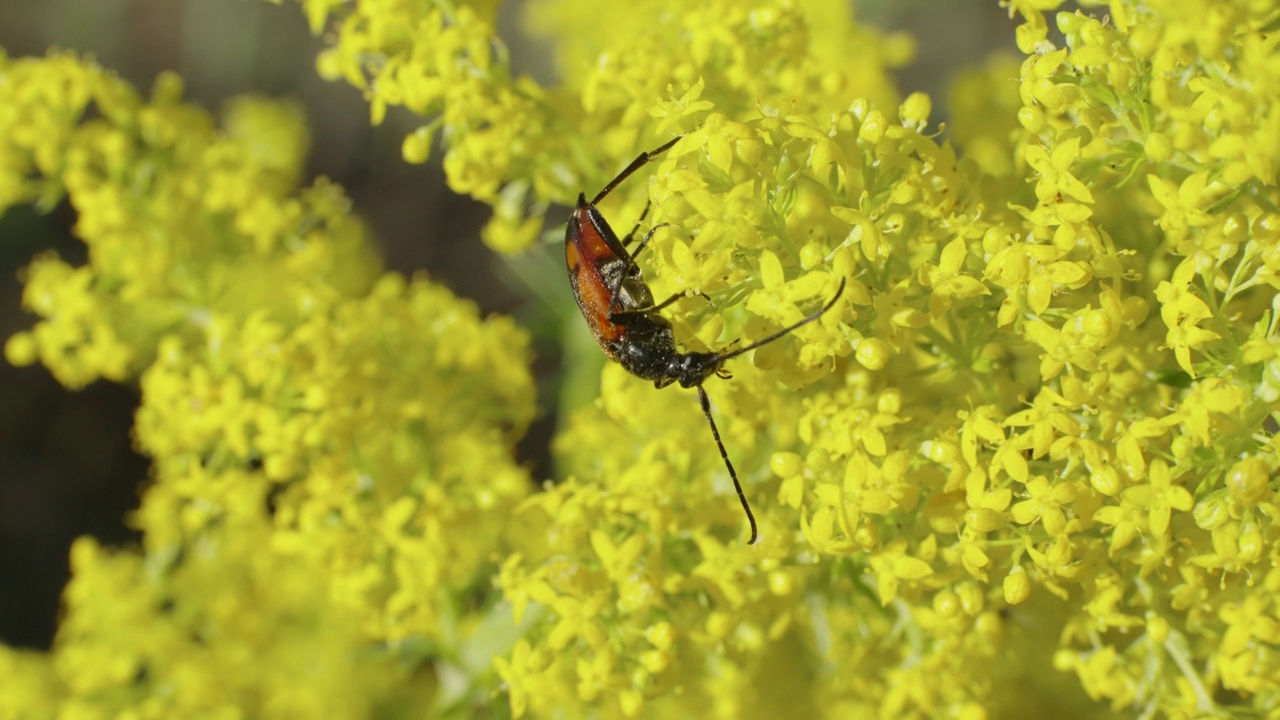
pixel 442 60
pixel 332 446
pixel 517 145
pixel 1036 406
pixel 233 629
pixel 1025 466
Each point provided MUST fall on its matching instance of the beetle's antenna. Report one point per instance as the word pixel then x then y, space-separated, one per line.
pixel 635 165
pixel 706 410
pixel 830 303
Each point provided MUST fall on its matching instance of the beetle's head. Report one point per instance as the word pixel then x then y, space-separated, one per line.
pixel 692 369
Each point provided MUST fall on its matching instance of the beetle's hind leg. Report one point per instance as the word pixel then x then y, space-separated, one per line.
pixel 622 316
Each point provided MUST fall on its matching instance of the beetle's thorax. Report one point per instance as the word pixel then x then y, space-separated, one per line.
pixel 648 351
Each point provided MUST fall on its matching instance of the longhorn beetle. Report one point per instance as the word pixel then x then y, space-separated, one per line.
pixel 619 309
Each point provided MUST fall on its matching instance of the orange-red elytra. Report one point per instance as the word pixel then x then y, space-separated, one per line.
pixel 626 322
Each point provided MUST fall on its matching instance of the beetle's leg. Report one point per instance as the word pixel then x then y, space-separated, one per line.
pixel 622 316
pixel 646 311
pixel 626 268
pixel 635 165
pixel 631 235
pixel 644 242
pixel 641 160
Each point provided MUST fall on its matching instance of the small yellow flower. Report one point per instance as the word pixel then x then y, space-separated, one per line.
pixel 1045 503
pixel 1182 205
pixel 1056 181
pixel 892 566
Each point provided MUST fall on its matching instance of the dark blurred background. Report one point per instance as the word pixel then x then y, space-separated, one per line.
pixel 67 467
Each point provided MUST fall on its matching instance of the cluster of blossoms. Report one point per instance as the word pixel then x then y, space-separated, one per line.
pixel 1025 466
pixel 320 432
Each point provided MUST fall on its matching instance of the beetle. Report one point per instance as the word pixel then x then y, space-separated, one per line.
pixel 620 310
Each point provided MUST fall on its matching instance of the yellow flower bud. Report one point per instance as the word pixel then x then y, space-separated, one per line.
pixel 872 353
pixel 1016 586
